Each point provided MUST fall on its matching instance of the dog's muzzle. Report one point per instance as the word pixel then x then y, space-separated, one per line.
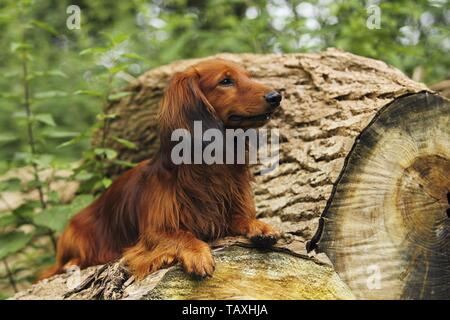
pixel 259 117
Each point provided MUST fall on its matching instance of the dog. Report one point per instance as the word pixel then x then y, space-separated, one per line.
pixel 158 213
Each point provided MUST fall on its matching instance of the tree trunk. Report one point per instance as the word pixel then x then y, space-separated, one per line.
pixel 353 152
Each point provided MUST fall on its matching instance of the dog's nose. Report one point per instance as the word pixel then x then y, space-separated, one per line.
pixel 273 98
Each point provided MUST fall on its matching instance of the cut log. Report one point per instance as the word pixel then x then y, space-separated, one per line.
pixel 386 227
pixel 331 102
pixel 241 272
pixel 246 274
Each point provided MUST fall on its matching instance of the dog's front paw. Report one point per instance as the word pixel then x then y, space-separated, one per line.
pixel 262 234
pixel 264 241
pixel 142 262
pixel 198 263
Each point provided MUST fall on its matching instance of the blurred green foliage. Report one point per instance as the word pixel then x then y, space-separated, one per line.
pixel 72 74
pixel 412 34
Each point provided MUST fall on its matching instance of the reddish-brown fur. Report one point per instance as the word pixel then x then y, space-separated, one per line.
pixel 159 213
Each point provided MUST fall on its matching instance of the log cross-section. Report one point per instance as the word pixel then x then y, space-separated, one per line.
pixel 386 227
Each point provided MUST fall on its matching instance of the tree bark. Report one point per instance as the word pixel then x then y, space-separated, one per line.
pixel 331 102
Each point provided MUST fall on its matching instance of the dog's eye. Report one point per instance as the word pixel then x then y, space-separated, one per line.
pixel 226 82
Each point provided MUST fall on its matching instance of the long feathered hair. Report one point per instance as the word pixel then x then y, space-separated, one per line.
pixel 157 198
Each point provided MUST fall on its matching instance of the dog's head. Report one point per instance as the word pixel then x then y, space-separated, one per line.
pixel 238 101
pixel 220 94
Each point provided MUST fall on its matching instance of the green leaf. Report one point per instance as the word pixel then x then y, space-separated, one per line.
pixel 12 96
pixel 126 143
pixel 108 153
pixel 8 220
pixel 53 73
pixel 45 118
pixel 44 26
pixel 50 94
pixel 42 160
pixel 12 242
pixel 116 38
pixel 133 56
pixel 33 184
pixel 83 175
pixel 106 182
pixel 117 68
pixel 18 46
pixel 73 141
pixel 119 38
pixel 118 95
pixel 7 137
pixel 89 93
pixel 12 184
pixel 12 74
pixel 57 73
pixel 103 116
pixel 125 164
pixel 95 50
pixel 53 197
pixel 57 134
pixel 20 115
pixel 26 210
pixel 56 218
pixel 22 157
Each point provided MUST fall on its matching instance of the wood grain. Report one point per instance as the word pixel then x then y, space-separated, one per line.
pixel 388 213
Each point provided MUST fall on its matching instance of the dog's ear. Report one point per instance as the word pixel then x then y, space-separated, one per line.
pixel 183 104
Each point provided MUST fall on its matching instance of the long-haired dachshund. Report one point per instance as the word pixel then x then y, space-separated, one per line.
pixel 159 213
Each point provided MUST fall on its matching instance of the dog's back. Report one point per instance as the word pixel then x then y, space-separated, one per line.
pixel 100 232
